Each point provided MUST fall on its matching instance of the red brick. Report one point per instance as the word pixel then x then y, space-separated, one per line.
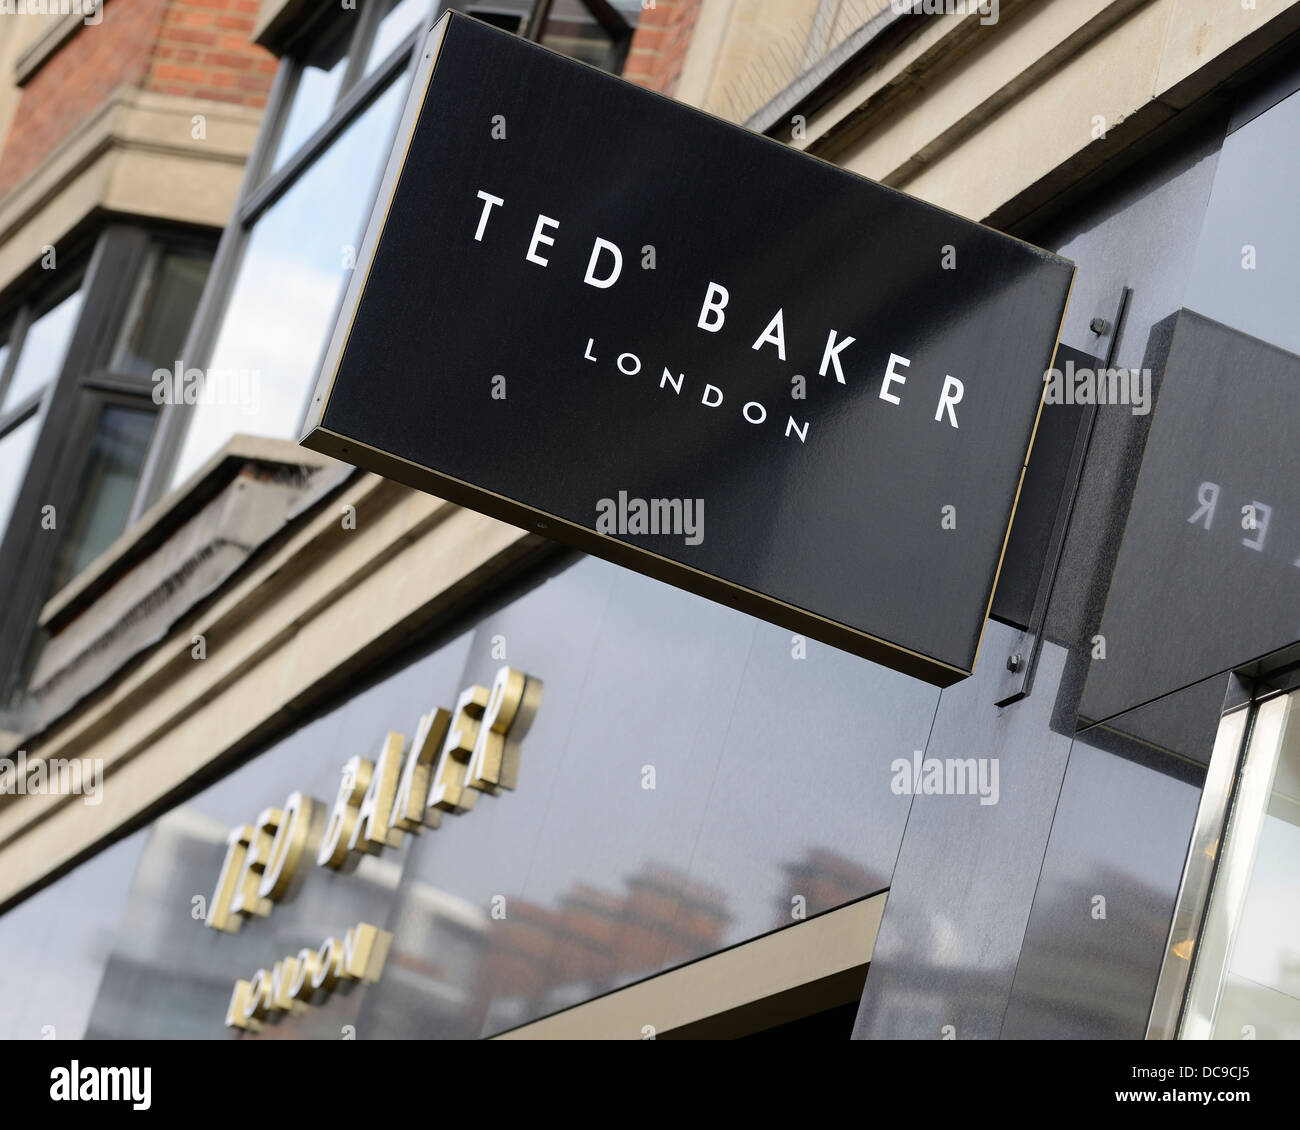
pixel 75 80
pixel 179 74
pixel 659 44
pixel 188 35
pixel 193 17
pixel 149 44
pixel 228 60
pixel 650 38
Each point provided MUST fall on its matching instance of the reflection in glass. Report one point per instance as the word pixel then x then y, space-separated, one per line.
pixel 107 485
pixel 44 345
pixel 161 309
pixel 15 450
pixel 1244 271
pixel 1246 982
pixel 401 17
pixel 283 300
pixel 319 82
pixel 1120 829
pixel 1221 450
pixel 604 881
pixel 65 934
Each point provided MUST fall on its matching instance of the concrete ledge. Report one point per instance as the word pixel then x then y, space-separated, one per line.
pixel 180 552
pixel 993 122
pixel 134 155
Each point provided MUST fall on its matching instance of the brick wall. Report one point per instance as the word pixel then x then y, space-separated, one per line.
pixel 659 45
pixel 195 48
pixel 204 49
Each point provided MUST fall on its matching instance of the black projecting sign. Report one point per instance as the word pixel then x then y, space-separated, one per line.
pixel 1208 574
pixel 591 311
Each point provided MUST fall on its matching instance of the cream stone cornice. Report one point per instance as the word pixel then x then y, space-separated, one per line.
pixel 134 154
pixel 992 122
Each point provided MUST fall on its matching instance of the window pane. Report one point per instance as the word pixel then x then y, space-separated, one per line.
pixel 574 31
pixel 161 309
pixel 509 15
pixel 282 304
pixel 107 485
pixel 402 16
pixel 1260 986
pixel 15 450
pixel 318 87
pixel 64 933
pixel 4 352
pixel 42 350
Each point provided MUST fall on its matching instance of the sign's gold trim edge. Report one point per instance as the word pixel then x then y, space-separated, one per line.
pixel 1024 467
pixel 376 226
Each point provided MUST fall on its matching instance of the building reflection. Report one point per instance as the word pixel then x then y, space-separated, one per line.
pixel 823 880
pixel 537 960
pixel 455 968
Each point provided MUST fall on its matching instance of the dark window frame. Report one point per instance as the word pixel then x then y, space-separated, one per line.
pixel 107 264
pixel 263 185
pixel 47 294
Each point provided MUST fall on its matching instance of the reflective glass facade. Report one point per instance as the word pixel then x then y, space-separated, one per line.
pixel 696 779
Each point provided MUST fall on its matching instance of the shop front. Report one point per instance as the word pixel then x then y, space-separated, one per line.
pixel 359 762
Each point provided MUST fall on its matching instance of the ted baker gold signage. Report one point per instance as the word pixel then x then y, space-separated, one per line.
pixel 295 980
pixel 816 394
pixel 455 755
